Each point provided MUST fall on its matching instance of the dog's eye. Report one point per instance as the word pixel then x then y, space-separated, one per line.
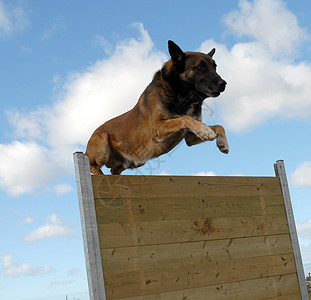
pixel 201 67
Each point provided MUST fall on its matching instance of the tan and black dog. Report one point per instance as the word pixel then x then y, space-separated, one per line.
pixel 168 111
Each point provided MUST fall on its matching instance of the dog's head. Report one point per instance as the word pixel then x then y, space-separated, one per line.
pixel 197 69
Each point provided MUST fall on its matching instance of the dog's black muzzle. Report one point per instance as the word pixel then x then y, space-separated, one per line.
pixel 211 87
pixel 221 85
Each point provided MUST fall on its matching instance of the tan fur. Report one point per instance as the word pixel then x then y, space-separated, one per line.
pixel 150 129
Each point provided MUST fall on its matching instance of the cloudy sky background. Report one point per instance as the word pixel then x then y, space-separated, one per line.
pixel 68 67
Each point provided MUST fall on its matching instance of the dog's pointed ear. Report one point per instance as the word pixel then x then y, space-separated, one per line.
pixel 212 52
pixel 176 53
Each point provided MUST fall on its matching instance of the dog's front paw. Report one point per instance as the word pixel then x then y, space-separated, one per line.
pixel 205 133
pixel 222 144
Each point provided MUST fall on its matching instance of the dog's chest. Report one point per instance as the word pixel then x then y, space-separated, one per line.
pixel 185 108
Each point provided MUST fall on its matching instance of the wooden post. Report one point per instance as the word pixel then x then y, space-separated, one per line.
pixel 280 172
pixel 89 227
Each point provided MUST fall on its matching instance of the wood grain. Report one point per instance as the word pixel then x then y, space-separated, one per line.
pixel 117 260
pixel 183 237
pixel 177 231
pixel 283 287
pixel 128 187
pixel 140 282
pixel 192 207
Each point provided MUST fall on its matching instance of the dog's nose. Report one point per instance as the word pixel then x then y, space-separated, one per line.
pixel 222 85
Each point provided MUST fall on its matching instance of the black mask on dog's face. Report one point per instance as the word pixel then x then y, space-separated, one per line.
pixel 207 80
pixel 197 69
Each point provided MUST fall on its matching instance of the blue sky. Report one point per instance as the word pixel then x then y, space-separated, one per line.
pixel 68 66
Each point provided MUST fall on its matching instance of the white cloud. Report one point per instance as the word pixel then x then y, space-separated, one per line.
pixel 302 175
pixel 205 173
pixel 29 125
pixel 28 220
pixel 5 23
pixel 269 23
pixel 12 19
pixel 304 230
pixel 10 268
pixel 164 173
pixel 74 272
pixel 62 189
pixel 56 284
pixel 264 82
pixel 103 43
pixel 24 167
pixel 53 29
pixel 54 228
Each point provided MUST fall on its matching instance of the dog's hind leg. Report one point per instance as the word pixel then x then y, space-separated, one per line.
pixel 95 169
pixel 117 171
pixel 98 151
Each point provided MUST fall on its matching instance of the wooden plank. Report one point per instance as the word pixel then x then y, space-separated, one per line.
pixel 175 208
pixel 89 227
pixel 294 296
pixel 139 282
pixel 279 168
pixel 177 231
pixel 118 260
pixel 283 287
pixel 206 292
pixel 128 187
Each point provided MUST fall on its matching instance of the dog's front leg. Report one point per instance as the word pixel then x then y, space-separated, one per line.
pixel 165 128
pixel 191 139
pixel 221 141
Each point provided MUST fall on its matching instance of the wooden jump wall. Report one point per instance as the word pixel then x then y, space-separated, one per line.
pixel 189 237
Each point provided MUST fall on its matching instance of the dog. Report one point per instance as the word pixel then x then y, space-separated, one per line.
pixel 168 111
